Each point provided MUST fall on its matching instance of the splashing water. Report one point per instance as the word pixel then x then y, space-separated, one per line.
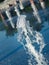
pixel 43 5
pixel 10 19
pixel 21 5
pixel 17 11
pixel 24 33
pixel 36 14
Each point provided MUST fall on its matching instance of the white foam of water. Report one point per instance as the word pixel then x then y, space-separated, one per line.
pixel 36 14
pixel 23 29
pixel 10 19
pixel 39 40
pixel 29 61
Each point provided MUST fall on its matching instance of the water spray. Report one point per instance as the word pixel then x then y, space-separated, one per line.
pixel 42 4
pixel 36 14
pixel 3 19
pixel 21 5
pixel 23 31
pixel 10 19
pixel 43 7
pixel 16 9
